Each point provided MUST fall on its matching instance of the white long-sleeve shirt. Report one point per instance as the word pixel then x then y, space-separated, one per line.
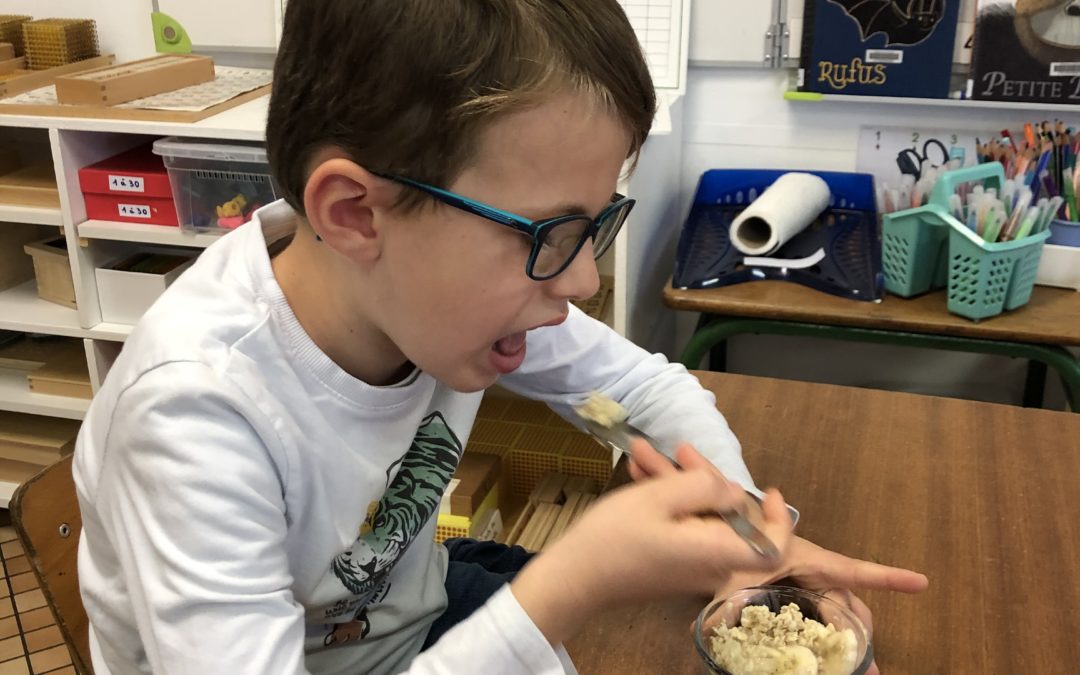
pixel 249 507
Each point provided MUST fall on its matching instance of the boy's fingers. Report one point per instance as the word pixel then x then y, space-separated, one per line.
pixel 831 569
pixel 688 493
pixel 646 461
pixel 689 458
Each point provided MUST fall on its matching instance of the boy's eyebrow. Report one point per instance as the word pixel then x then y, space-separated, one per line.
pixel 556 212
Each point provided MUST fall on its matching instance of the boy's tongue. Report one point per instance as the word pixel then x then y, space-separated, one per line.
pixel 508 353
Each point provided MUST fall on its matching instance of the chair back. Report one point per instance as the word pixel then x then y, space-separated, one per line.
pixel 45 513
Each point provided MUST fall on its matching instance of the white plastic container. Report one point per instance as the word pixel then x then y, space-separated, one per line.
pixel 1059 266
pixel 125 294
pixel 216 185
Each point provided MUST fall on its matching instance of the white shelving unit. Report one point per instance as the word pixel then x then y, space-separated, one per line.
pixel 144 234
pixel 11 213
pixel 21 309
pixel 810 97
pixel 15 398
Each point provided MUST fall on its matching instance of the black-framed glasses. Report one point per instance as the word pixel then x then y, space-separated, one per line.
pixel 556 241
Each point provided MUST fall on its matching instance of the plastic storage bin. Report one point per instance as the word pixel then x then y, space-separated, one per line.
pixel 128 287
pixel 1064 233
pixel 926 248
pixel 1059 266
pixel 846 233
pixel 216 186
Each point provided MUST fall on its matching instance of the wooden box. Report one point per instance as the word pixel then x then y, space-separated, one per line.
pixel 475 477
pixel 12 65
pixel 125 82
pixel 7 51
pixel 53 271
pixel 30 442
pixel 15 266
pixel 63 372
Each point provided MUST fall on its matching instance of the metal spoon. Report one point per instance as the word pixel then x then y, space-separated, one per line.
pixel 618 437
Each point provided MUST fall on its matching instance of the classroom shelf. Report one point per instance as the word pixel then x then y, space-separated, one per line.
pixel 114 332
pixel 21 309
pixel 146 234
pixel 30 215
pixel 245 122
pixel 812 97
pixel 15 396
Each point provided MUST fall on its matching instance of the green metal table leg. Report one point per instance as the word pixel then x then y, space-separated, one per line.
pixel 1034 384
pixel 719 329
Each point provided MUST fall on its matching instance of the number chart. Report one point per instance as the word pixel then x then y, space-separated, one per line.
pixel 892 152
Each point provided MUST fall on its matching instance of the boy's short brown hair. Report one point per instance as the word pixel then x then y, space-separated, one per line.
pixel 406 86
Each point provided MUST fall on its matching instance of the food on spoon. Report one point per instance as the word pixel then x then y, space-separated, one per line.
pixel 765 643
pixel 602 410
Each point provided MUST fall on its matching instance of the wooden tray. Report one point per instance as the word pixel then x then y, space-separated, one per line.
pixel 26 80
pixel 125 82
pixel 134 114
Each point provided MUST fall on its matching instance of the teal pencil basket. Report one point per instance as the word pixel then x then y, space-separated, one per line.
pixel 926 248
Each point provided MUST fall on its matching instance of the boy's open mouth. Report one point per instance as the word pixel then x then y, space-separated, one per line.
pixel 508 353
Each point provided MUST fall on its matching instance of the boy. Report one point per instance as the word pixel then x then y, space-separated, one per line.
pixel 258 475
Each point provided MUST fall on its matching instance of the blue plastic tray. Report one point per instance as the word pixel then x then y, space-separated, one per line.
pixel 847 231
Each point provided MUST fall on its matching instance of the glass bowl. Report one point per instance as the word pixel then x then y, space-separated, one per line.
pixel 812 605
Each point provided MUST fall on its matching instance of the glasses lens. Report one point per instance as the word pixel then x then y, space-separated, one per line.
pixel 609 227
pixel 561 243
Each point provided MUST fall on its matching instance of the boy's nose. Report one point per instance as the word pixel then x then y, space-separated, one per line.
pixel 580 280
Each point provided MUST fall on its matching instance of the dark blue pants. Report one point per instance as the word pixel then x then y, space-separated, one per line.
pixel 477 570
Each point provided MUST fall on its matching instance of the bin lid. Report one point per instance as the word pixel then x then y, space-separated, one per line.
pixel 233 151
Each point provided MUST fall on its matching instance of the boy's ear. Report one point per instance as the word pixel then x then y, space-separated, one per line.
pixel 340 199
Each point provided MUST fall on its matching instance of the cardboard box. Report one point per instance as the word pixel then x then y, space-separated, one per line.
pixel 475 477
pixel 125 82
pixel 52 270
pixel 131 187
pixel 34 440
pixel 126 289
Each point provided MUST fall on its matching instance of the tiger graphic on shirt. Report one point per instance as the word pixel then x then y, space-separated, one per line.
pixel 411 498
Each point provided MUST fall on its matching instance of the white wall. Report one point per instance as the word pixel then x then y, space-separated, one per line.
pixel 123 25
pixel 737 118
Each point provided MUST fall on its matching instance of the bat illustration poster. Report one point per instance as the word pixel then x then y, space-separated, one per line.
pixel 1027 50
pixel 879 47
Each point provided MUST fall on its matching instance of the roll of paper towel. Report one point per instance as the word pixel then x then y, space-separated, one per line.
pixel 787 208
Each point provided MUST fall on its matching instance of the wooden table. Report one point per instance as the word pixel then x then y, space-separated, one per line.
pixel 1039 331
pixel 980 497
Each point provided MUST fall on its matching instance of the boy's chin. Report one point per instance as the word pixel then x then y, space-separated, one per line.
pixel 466 379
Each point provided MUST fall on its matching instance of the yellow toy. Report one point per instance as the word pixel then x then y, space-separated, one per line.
pixel 232 208
pixel 231 213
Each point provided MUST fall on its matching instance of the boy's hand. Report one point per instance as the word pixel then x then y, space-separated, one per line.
pixel 645 541
pixel 817 569
pixel 807 564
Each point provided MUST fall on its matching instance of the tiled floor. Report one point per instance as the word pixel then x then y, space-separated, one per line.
pixel 30 642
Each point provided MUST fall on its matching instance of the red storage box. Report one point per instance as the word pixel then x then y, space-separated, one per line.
pixel 131 187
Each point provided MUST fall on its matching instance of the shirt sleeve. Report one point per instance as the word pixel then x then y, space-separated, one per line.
pixel 191 499
pixel 565 363
pixel 498 638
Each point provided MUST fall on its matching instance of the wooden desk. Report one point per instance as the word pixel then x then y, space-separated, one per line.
pixel 980 497
pixel 1038 331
